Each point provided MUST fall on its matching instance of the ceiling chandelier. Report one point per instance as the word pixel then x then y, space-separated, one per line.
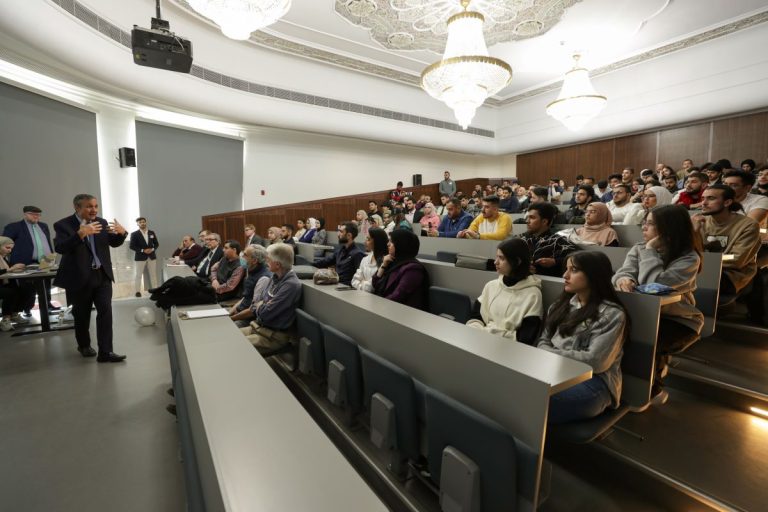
pixel 578 102
pixel 466 75
pixel 238 18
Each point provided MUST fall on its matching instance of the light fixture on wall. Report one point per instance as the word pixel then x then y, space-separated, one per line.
pixel 466 75
pixel 238 18
pixel 578 103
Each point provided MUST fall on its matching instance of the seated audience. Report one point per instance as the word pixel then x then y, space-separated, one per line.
pixel 251 237
pixel 724 230
pixel 555 191
pixel 583 195
pixel 211 256
pixel 320 237
pixel 430 219
pixel 748 165
pixel 397 195
pixel 12 295
pixel 301 228
pixel 411 212
pixel 361 218
pixel 621 203
pixel 286 234
pixel 455 221
pixel 614 180
pixel 347 255
pixel 490 224
pixel 273 308
pixel 714 173
pixel 628 176
pixel 587 323
pixel 685 169
pixel 470 206
pixel 510 306
pixel 754 205
pixel 522 198
pixel 762 181
pixel 441 210
pixel 256 267
pixel 227 274
pixel 548 250
pixel 311 229
pixel 670 255
pixel 398 221
pixel 401 277
pixel 201 236
pixel 690 196
pixel 508 203
pixel 376 245
pixel 376 221
pixel 373 209
pixel 601 190
pixel 597 226
pixel 653 197
pixel 274 235
pixel 670 183
pixel 188 251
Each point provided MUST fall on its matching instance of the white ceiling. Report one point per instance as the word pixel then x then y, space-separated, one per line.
pixel 607 31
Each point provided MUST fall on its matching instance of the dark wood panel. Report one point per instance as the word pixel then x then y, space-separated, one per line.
pixel 637 151
pixel 596 159
pixel 680 143
pixel 740 138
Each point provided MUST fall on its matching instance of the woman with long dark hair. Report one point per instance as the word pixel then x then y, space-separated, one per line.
pixel 376 246
pixel 401 277
pixel 589 324
pixel 670 255
pixel 320 237
pixel 511 305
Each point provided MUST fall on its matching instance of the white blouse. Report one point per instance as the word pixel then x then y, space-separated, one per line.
pixel 363 278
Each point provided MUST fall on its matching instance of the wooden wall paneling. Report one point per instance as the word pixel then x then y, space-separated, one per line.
pixel 596 159
pixel 234 228
pixel 215 225
pixel 526 168
pixel 740 138
pixel 677 144
pixel 638 151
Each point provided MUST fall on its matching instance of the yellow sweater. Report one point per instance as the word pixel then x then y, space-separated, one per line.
pixel 497 229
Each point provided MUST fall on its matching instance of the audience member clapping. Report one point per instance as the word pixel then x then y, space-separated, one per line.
pixel 401 277
pixel 587 323
pixel 376 246
pixel 510 306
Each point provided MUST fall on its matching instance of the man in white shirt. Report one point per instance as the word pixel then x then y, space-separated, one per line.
pixel 620 205
pixel 755 205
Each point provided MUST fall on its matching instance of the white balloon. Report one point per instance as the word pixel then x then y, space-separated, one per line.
pixel 144 316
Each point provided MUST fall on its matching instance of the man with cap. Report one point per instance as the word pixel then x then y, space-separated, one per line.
pixel 32 240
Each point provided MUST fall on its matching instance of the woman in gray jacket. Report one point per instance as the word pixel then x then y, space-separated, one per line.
pixel 670 255
pixel 589 324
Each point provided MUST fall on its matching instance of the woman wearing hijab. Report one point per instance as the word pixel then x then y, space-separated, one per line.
pixel 597 226
pixel 362 222
pixel 653 197
pixel 430 219
pixel 401 277
pixel 310 231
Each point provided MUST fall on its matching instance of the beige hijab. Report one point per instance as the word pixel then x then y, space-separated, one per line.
pixel 601 233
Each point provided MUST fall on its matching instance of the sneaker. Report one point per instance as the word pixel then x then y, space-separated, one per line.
pixel 6 325
pixel 66 317
pixel 17 318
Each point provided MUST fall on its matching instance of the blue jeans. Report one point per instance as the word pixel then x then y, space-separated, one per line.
pixel 580 402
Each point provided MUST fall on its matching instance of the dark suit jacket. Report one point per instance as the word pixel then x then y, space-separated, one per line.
pixel 138 244
pixel 19 233
pixel 217 255
pixel 189 255
pixel 75 267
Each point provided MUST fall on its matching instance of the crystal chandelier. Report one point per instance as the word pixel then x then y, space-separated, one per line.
pixel 238 18
pixel 466 75
pixel 578 102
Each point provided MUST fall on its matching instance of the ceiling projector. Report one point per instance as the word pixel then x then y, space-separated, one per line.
pixel 158 47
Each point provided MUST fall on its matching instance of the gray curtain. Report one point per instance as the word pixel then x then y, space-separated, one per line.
pixel 184 175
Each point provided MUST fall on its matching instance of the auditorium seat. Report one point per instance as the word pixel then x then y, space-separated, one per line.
pixel 471 458
pixel 450 304
pixel 344 372
pixel 311 350
pixel 390 396
pixel 446 256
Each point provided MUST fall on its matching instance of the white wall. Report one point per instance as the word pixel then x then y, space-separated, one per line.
pixel 292 166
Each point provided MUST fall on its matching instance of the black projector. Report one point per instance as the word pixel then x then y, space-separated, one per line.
pixel 161 49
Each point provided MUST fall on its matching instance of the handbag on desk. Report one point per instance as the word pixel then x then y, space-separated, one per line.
pixel 326 276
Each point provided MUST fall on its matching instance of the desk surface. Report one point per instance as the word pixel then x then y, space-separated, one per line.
pixel 268 453
pixel 29 275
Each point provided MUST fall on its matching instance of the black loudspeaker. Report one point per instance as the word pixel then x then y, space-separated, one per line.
pixel 417 180
pixel 127 157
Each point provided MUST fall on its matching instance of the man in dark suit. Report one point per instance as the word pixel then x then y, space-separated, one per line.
pixel 85 272
pixel 194 262
pixel 214 254
pixel 32 240
pixel 144 243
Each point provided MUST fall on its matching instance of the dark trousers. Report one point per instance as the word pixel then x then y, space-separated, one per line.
pixel 97 291
pixel 31 293
pixel 14 298
pixel 674 338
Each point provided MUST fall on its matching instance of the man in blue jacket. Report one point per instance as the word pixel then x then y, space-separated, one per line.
pixel 32 240
pixel 454 221
pixel 144 243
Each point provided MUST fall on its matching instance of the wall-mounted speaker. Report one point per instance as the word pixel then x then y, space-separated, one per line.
pixel 417 180
pixel 127 157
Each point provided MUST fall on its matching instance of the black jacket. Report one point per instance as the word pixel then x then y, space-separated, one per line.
pixel 217 255
pixel 138 244
pixel 345 259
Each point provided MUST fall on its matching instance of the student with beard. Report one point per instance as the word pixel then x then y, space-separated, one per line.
pixel 401 277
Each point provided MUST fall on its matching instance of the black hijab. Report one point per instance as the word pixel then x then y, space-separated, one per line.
pixel 406 248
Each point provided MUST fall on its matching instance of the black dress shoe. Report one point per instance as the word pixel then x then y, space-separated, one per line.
pixel 171 408
pixel 86 351
pixel 138 294
pixel 110 357
pixel 51 307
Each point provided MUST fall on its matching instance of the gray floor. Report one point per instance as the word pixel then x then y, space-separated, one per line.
pixel 80 436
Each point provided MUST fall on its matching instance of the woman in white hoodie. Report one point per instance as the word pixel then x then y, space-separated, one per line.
pixel 376 245
pixel 510 306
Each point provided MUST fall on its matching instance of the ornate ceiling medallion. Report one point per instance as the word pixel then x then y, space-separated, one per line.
pixel 426 20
